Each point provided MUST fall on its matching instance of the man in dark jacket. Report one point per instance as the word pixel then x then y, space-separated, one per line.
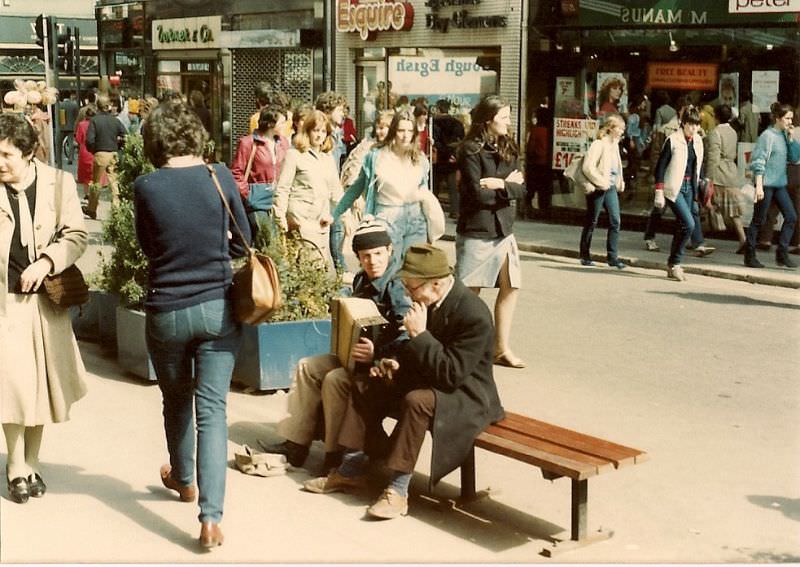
pixel 441 381
pixel 321 378
pixel 104 138
pixel 447 132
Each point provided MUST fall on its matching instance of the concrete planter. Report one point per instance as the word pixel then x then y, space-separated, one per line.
pixel 270 351
pixel 131 344
pixel 96 320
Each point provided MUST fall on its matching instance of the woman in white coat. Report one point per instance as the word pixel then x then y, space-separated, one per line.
pixel 41 372
pixel 602 166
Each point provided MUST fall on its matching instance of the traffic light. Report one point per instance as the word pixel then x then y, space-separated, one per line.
pixel 65 61
pixel 39 26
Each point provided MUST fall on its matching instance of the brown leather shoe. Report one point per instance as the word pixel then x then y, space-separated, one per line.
pixel 211 535
pixel 187 493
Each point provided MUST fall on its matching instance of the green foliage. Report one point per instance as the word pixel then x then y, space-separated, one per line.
pixel 125 273
pixel 306 284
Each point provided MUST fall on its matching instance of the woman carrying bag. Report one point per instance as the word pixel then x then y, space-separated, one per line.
pixel 41 233
pixel 602 167
pixel 184 230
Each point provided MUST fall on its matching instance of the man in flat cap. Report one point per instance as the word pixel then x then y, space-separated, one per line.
pixel 321 378
pixel 441 380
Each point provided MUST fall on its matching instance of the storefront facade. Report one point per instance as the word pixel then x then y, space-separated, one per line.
pixel 712 53
pixel 388 53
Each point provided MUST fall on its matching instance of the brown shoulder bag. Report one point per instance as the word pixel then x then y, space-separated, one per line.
pixel 67 288
pixel 256 291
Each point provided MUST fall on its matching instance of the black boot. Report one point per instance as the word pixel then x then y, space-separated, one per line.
pixel 782 259
pixel 750 259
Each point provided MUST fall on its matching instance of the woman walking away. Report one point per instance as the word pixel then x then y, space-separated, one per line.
pixel 85 157
pixel 393 176
pixel 486 250
pixel 183 227
pixel 723 173
pixel 677 177
pixel 774 149
pixel 308 185
pixel 41 233
pixel 602 166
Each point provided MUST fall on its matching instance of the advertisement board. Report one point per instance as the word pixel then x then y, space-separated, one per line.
pixel 571 138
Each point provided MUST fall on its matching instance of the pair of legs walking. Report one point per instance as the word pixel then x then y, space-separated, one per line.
pixel 595 203
pixel 22 470
pixel 781 196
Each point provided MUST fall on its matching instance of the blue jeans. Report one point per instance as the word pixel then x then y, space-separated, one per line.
pixel 204 337
pixel 595 203
pixel 655 216
pixel 784 202
pixel 687 223
pixel 407 226
pixel 336 240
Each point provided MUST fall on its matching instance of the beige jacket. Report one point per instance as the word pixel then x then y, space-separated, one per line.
pixel 721 156
pixel 602 154
pixel 308 187
pixel 73 239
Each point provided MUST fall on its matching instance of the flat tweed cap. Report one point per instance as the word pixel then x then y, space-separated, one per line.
pixel 425 262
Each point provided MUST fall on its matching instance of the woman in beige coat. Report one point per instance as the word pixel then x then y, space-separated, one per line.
pixel 721 170
pixel 602 166
pixel 41 372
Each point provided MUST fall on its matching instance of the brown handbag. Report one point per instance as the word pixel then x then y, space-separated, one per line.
pixel 67 288
pixel 256 291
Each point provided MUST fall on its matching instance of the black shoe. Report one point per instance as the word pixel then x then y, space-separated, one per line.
pixel 752 262
pixel 36 485
pixel 295 453
pixel 92 215
pixel 763 246
pixel 18 490
pixel 783 260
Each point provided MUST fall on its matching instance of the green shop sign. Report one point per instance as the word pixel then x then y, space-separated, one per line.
pixel 645 13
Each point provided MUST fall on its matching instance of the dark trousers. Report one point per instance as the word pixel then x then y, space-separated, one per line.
pixel 766 230
pixel 780 196
pixel 362 428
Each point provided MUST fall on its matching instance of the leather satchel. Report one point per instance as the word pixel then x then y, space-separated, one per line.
pixel 574 173
pixel 67 288
pixel 256 291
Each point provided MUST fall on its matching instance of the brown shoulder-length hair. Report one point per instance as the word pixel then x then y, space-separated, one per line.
pixel 302 140
pixel 414 154
pixel 173 129
pixel 478 134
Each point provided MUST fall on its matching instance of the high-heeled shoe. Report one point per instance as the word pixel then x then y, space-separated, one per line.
pixel 210 535
pixel 36 485
pixel 18 490
pixel 186 492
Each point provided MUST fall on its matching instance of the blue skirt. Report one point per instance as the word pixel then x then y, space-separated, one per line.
pixel 479 260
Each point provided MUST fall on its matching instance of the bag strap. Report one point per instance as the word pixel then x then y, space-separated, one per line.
pixel 228 208
pixel 249 167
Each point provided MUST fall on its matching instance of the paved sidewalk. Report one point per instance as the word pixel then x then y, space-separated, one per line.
pixel 562 240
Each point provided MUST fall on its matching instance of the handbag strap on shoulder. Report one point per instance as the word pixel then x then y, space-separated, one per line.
pixel 249 167
pixel 228 208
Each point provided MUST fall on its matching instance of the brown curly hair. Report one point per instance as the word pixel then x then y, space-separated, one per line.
pixel 173 129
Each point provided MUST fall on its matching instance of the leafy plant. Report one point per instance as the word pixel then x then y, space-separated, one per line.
pixel 306 284
pixel 125 272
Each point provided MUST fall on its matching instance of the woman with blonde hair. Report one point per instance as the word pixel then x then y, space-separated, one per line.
pixel 308 185
pixel 602 166
pixel 41 233
pixel 394 174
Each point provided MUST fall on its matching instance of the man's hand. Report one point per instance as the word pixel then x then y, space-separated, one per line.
pixel 363 350
pixel 385 368
pixel 659 200
pixel 416 319
pixel 32 277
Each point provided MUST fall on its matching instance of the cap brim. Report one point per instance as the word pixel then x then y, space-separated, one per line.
pixel 409 274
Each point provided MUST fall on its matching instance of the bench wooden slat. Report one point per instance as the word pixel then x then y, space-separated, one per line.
pixel 555 449
pixel 619 455
pixel 542 459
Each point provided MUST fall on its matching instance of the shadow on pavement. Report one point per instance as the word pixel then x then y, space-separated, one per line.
pixel 790 507
pixel 120 497
pixel 602 268
pixel 729 299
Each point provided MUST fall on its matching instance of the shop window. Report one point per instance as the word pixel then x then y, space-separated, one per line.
pixel 169 66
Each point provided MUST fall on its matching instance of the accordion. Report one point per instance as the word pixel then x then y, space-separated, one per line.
pixel 351 319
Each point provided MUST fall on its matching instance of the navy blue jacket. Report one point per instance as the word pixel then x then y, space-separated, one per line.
pixel 183 227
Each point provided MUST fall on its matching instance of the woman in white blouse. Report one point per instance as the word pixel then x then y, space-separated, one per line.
pixel 308 186
pixel 394 176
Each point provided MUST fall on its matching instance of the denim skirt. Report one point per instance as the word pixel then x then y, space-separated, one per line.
pixel 479 260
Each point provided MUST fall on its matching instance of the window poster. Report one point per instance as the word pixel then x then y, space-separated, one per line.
pixel 729 89
pixel 612 93
pixel 765 89
pixel 567 104
pixel 571 138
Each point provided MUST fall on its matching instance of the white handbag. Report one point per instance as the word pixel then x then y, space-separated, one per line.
pixel 434 214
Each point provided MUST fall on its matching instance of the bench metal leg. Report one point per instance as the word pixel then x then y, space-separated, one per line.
pixel 580 500
pixel 468 476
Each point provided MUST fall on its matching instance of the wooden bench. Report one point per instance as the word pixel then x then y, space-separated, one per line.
pixel 558 452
